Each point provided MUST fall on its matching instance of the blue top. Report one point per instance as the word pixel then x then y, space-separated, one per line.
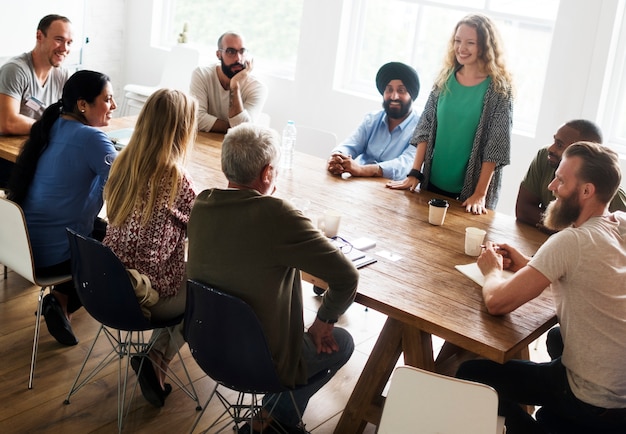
pixel 66 190
pixel 372 143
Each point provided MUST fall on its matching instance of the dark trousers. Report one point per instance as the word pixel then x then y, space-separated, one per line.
pixel 542 384
pixel 432 187
pixel 6 167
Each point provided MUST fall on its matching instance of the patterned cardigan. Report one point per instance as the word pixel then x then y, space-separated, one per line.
pixel 492 142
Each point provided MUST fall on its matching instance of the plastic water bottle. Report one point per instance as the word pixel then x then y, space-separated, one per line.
pixel 288 145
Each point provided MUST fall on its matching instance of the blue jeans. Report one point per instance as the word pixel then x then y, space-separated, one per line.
pixel 284 411
pixel 543 384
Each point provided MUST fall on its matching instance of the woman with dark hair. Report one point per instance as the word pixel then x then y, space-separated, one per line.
pixel 58 181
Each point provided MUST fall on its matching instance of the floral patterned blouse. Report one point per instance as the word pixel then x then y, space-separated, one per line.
pixel 158 248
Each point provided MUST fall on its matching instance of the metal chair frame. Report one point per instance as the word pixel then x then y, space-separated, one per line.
pixel 123 328
pixel 241 361
pixel 16 253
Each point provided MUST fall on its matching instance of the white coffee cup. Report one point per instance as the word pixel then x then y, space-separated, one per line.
pixel 473 240
pixel 329 223
pixel 437 211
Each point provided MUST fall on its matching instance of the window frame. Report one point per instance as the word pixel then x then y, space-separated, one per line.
pixel 615 87
pixel 353 25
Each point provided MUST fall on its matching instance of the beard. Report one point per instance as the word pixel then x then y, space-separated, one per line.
pixel 396 112
pixel 228 69
pixel 560 214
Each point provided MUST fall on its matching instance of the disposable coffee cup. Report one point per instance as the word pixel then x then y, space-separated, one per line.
pixel 474 238
pixel 329 223
pixel 437 211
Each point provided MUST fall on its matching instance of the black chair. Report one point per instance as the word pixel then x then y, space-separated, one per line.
pixel 227 341
pixel 106 292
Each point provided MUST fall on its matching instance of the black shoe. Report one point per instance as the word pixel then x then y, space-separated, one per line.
pixel 318 290
pixel 274 427
pixel 167 389
pixel 148 381
pixel 58 324
pixel 281 428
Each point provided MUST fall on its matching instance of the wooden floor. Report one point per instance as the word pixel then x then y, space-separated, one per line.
pixel 93 409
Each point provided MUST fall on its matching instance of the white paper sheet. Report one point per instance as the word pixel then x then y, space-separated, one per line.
pixel 473 272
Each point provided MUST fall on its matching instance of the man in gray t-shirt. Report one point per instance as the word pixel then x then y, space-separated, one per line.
pixel 583 390
pixel 32 81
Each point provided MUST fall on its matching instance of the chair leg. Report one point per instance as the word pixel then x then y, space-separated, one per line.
pixel 176 379
pixel 76 386
pixel 121 345
pixel 33 359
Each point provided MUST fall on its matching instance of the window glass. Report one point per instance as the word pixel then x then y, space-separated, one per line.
pixel 615 110
pixel 270 33
pixel 538 9
pixel 417 32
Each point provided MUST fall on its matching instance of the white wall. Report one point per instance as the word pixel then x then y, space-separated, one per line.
pixel 577 66
pixel 105 24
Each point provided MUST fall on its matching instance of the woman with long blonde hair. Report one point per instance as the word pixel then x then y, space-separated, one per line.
pixel 149 197
pixel 463 138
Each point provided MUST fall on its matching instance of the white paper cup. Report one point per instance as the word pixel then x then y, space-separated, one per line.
pixel 473 240
pixel 437 211
pixel 329 223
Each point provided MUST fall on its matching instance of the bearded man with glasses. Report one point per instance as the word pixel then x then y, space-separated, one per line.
pixel 227 93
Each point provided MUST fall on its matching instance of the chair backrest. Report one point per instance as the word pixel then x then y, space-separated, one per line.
pixel 179 65
pixel 424 402
pixel 314 141
pixel 103 285
pixel 227 341
pixel 15 248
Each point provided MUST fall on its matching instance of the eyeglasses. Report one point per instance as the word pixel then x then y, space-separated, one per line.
pixel 342 244
pixel 231 52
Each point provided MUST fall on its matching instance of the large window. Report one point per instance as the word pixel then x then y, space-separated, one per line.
pixel 417 32
pixel 271 29
pixel 615 112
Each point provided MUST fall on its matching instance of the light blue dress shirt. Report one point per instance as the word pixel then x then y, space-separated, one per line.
pixel 372 143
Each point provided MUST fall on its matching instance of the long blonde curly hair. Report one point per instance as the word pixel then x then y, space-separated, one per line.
pixel 490 54
pixel 164 133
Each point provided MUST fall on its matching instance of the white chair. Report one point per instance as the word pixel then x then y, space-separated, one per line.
pixel 16 254
pixel 179 66
pixel 314 141
pixel 424 402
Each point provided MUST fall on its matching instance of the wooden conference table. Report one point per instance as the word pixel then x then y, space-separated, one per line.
pixel 418 289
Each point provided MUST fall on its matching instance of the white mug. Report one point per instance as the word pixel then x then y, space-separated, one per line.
pixel 329 223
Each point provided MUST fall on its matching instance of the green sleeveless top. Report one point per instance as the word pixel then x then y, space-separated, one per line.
pixel 458 114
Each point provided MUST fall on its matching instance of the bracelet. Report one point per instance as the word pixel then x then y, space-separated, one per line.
pixel 326 321
pixel 416 174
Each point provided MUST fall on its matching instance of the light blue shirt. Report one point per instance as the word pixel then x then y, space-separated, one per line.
pixel 66 190
pixel 372 143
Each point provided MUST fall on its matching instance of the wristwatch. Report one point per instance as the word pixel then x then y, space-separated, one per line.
pixel 326 321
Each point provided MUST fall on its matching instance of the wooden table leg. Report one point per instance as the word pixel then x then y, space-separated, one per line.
pixel 417 346
pixel 365 403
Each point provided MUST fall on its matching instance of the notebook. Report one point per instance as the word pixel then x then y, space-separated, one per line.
pixel 358 257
